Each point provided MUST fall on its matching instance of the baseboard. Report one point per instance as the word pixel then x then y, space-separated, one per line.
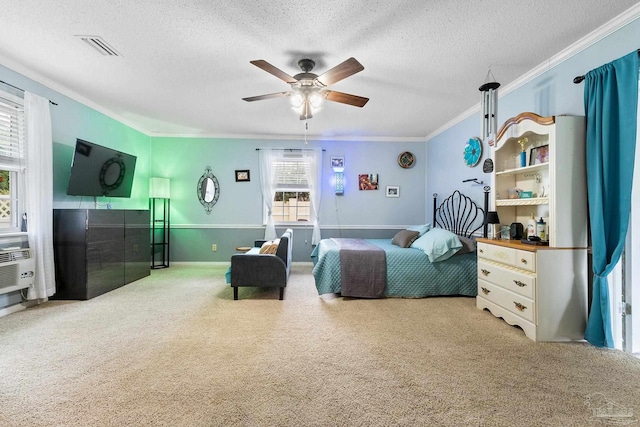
pixel 199 263
pixel 17 307
pixel 220 263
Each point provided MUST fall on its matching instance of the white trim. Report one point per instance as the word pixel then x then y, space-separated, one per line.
pixel 195 263
pixel 289 225
pixel 13 234
pixel 590 39
pixel 17 307
pixel 217 263
pixel 50 84
pixel 613 25
pixel 353 138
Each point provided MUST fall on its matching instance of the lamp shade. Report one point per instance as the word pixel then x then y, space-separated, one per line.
pixel 339 176
pixel 492 218
pixel 160 188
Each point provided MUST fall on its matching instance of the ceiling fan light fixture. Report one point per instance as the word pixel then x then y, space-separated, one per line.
pixel 297 100
pixel 308 90
pixel 316 100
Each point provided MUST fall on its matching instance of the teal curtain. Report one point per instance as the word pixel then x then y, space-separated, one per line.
pixel 611 103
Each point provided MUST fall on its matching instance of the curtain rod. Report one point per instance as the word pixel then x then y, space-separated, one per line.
pixel 291 149
pixel 579 79
pixel 22 90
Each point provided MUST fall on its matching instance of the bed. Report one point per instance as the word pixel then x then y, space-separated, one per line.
pixel 412 271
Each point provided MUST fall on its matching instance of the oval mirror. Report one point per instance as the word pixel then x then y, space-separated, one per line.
pixel 208 190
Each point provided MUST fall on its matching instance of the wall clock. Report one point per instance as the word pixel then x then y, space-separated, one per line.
pixel 406 160
pixel 472 151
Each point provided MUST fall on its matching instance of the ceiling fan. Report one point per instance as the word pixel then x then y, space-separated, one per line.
pixel 308 90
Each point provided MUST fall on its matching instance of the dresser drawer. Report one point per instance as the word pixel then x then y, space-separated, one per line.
pixel 513 257
pixel 510 278
pixel 517 304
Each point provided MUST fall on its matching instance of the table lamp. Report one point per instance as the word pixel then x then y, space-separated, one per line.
pixel 493 219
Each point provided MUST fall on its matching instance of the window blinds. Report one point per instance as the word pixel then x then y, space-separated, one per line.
pixel 291 173
pixel 11 134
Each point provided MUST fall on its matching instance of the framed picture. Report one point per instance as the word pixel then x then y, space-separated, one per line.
pixel 368 181
pixel 539 155
pixel 393 191
pixel 242 175
pixel 337 162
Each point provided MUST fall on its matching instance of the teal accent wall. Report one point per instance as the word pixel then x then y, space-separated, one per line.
pixel 237 217
pixel 71 119
pixel 551 93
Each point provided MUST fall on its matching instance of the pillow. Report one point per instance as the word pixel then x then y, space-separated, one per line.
pixel 438 244
pixel 404 238
pixel 270 247
pixel 468 245
pixel 420 228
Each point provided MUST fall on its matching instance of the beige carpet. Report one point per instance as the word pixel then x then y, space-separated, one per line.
pixel 174 349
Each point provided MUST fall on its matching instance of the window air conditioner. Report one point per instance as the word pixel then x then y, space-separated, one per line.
pixel 17 270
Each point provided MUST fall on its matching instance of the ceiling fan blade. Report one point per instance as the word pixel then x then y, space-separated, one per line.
pixel 340 71
pixel 267 96
pixel 345 98
pixel 261 63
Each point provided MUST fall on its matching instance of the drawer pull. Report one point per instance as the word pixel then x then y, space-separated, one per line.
pixel 485 272
pixel 485 291
pixel 522 260
pixel 520 306
pixel 481 251
pixel 519 283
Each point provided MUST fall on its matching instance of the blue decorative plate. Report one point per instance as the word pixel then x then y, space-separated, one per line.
pixel 473 151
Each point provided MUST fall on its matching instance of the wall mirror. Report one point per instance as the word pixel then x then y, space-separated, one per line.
pixel 208 190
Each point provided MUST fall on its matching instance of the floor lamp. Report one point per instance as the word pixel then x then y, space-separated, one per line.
pixel 159 205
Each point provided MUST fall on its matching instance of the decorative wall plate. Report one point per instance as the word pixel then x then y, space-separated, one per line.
pixel 472 152
pixel 487 166
pixel 406 160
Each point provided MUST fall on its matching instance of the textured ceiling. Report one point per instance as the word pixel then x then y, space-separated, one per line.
pixel 184 65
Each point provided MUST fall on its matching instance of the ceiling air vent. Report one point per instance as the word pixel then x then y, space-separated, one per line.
pixel 100 45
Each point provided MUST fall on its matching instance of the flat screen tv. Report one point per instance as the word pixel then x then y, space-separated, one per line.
pixel 100 171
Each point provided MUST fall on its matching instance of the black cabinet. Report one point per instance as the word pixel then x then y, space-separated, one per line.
pixel 97 251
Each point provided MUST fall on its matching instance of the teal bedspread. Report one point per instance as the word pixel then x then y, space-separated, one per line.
pixel 409 272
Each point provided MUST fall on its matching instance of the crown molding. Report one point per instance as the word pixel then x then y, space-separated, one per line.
pixel 587 41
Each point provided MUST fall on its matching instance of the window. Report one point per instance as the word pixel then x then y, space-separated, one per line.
pixel 11 159
pixel 292 199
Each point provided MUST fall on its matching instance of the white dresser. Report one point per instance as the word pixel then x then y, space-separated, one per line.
pixel 540 289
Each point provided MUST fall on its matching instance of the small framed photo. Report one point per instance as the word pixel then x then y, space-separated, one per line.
pixel 242 176
pixel 368 181
pixel 393 191
pixel 539 155
pixel 337 162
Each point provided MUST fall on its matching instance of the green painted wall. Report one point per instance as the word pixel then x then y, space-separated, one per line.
pixel 237 217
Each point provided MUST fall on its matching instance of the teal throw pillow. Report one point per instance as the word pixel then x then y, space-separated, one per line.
pixel 438 244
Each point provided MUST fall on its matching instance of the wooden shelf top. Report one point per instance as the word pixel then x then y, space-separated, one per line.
pixel 517 244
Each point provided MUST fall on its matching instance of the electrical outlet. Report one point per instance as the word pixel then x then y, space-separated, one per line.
pixel 214 247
